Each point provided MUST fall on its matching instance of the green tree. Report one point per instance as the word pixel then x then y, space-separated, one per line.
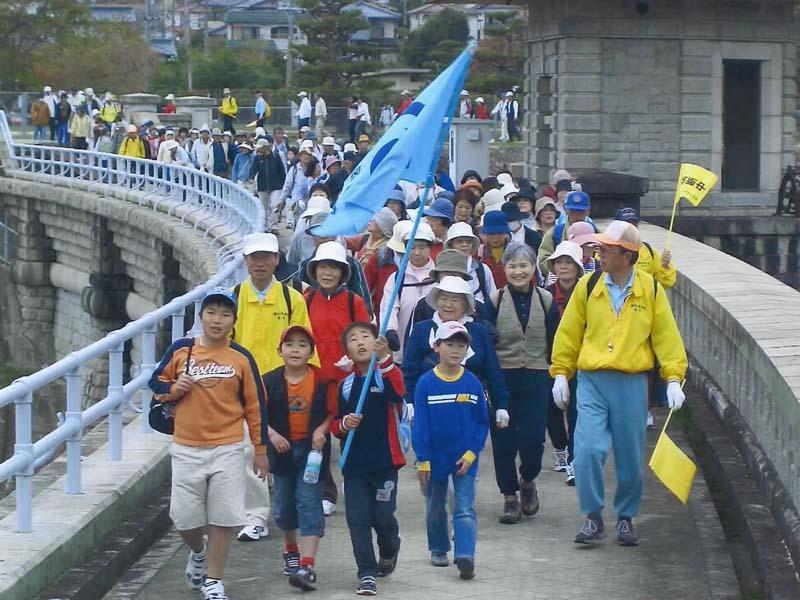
pixel 332 61
pixel 26 27
pixel 114 57
pixel 438 41
pixel 499 61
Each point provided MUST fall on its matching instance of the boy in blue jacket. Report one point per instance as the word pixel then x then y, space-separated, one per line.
pixel 450 429
pixel 370 473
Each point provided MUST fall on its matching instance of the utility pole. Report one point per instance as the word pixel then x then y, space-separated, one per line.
pixel 205 30
pixel 289 59
pixel 187 28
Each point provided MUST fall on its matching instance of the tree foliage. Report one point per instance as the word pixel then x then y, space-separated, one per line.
pixel 28 26
pixel 499 61
pixel 114 57
pixel 438 41
pixel 332 61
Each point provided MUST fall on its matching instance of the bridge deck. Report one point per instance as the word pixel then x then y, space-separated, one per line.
pixel 682 552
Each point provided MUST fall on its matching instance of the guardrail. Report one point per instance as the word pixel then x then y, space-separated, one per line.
pixel 164 188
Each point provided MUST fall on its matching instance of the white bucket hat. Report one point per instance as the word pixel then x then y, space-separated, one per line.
pixel 316 205
pixel 505 179
pixel 570 249
pixel 493 200
pixel 508 188
pixel 334 252
pixel 328 141
pixel 424 233
pixel 453 285
pixel 458 230
pixel 399 231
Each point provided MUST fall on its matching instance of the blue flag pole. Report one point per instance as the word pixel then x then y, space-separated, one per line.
pixel 401 271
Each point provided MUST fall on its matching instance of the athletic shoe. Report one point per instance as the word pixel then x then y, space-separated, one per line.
pixel 529 497
pixel 328 507
pixel 214 590
pixel 291 563
pixel 591 531
pixel 304 578
pixel 511 511
pixel 252 533
pixel 570 475
pixel 387 565
pixel 650 422
pixel 439 559
pixel 368 586
pixel 466 567
pixel 560 460
pixel 290 223
pixel 626 536
pixel 196 568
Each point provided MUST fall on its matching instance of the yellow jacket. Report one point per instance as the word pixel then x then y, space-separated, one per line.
pixel 133 148
pixel 591 337
pixel 259 325
pixel 229 106
pixel 108 113
pixel 650 262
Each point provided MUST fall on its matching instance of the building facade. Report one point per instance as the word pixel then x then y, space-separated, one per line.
pixel 639 87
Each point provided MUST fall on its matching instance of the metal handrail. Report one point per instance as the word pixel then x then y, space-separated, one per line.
pixel 169 189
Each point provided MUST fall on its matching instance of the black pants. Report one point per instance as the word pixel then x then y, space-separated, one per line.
pixel 227 124
pixel 351 129
pixel 563 435
pixel 53 128
pixel 370 502
pixel 331 492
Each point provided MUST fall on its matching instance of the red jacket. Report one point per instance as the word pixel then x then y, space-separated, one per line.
pixel 481 112
pixel 329 318
pixel 377 270
pixel 403 106
pixel 495 266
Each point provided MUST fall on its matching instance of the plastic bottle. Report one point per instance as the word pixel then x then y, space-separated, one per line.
pixel 313 464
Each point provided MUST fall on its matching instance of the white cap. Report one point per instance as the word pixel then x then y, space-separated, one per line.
pixel 505 178
pixel 508 188
pixel 458 230
pixel 302 95
pixel 108 96
pixel 464 93
pixel 216 131
pixel 332 251
pixel 449 329
pixel 47 88
pixel 169 97
pixel 259 242
pixel 170 132
pixel 493 200
pixel 261 143
pixel 203 128
pixel 406 92
pixel 349 147
pixel 399 231
pixel 245 146
pixel 260 131
pixel 89 91
pixel 570 249
pixel 509 94
pixel 228 133
pixel 95 112
pixel 226 91
pixel 479 100
pixel 306 146
pixel 453 285
pixel 328 141
pixel 316 205
pixel 305 129
pixel 424 233
pixel 133 129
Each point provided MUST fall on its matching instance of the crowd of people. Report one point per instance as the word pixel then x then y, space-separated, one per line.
pixel 516 319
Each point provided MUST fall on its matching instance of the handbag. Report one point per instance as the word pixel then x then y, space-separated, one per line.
pixel 162 414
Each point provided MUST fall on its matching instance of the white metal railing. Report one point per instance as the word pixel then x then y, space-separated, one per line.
pixel 220 210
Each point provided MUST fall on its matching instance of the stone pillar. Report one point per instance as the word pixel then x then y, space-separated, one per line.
pixel 140 107
pixel 199 107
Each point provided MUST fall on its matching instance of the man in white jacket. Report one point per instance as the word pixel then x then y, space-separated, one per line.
pixel 202 155
pixel 303 113
pixel 320 114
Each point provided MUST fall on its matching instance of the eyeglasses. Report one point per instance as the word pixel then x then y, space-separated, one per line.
pixel 605 250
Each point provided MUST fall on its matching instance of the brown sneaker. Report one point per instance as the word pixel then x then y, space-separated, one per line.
pixel 511 511
pixel 530 497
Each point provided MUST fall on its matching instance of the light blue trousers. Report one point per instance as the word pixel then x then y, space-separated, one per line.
pixel 612 409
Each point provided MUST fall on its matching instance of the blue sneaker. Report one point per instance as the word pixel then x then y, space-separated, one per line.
pixel 592 530
pixel 626 536
pixel 439 559
pixel 368 586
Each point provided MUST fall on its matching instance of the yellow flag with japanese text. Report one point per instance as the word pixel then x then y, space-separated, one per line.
pixel 694 183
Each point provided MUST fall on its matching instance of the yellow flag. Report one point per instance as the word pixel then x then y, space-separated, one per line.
pixel 694 183
pixel 673 468
pixel 252 124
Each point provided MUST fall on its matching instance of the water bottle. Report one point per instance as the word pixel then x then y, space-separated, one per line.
pixel 313 464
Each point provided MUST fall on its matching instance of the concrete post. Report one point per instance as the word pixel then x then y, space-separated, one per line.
pixel 140 107
pixel 199 107
pixel 469 146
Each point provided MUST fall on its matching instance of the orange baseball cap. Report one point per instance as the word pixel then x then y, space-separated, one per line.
pixel 620 233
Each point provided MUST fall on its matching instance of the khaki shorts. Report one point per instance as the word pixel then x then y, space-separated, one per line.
pixel 207 486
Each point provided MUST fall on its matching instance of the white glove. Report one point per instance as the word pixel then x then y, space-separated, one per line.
pixel 501 418
pixel 561 392
pixel 675 395
pixel 408 417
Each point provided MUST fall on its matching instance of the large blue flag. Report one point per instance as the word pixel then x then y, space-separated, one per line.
pixel 406 151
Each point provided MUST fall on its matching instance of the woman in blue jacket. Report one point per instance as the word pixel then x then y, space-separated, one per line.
pixel 452 300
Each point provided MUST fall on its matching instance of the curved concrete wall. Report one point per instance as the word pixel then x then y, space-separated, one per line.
pixel 741 327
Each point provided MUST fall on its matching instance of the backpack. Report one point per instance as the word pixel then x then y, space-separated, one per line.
pixel 161 415
pixel 481 274
pixel 267 111
pixel 351 302
pixel 286 298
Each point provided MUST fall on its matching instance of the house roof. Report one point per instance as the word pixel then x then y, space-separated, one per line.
pixel 266 16
pixel 372 10
pixel 117 14
pixel 164 46
pixel 435 8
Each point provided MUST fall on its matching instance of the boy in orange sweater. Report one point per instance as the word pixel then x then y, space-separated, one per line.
pixel 215 385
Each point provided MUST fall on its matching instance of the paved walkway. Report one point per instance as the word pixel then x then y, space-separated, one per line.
pixel 682 553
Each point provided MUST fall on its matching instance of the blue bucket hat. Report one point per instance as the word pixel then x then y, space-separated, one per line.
pixel 577 201
pixel 219 293
pixel 495 221
pixel 397 195
pixel 442 208
pixel 627 214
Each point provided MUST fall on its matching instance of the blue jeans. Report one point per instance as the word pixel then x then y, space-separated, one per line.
pixel 63 133
pixel 39 133
pixel 297 504
pixel 370 502
pixel 465 521
pixel 612 409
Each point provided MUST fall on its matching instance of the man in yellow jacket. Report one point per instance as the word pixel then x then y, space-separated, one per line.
pixel 615 325
pixel 132 145
pixel 266 308
pixel 228 110
pixel 650 261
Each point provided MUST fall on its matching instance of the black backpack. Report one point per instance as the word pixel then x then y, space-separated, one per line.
pixel 162 414
pixel 286 298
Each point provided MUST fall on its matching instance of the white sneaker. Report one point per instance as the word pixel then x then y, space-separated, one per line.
pixel 328 508
pixel 214 590
pixel 560 460
pixel 570 475
pixel 252 533
pixel 650 423
pixel 196 567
